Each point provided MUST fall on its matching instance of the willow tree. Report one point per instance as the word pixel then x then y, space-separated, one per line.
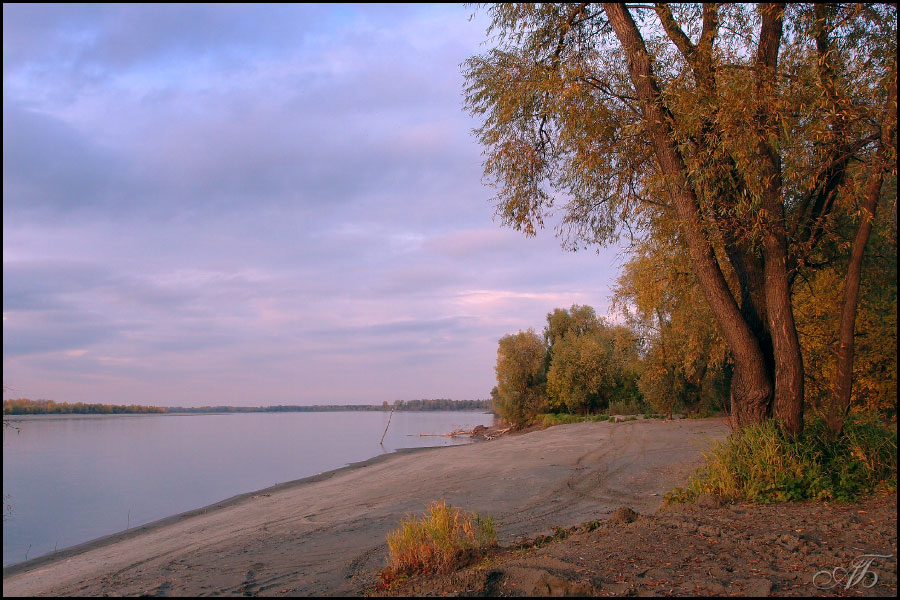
pixel 747 131
pixel 521 390
pixel 591 362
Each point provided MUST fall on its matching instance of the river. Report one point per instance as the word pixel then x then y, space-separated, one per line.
pixel 68 479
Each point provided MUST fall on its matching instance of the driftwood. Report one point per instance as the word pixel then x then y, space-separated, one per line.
pixel 459 432
pixel 451 434
pixel 497 433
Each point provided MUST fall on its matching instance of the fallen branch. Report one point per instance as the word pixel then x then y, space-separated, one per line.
pixel 451 434
pixel 458 432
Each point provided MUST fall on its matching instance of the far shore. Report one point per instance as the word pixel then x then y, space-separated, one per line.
pixel 10 417
pixel 325 534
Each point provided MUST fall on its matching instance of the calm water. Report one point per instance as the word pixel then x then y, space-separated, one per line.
pixel 71 479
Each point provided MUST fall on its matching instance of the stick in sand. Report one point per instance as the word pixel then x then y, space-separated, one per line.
pixel 388 425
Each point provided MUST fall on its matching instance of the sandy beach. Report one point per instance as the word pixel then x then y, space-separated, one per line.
pixel 324 535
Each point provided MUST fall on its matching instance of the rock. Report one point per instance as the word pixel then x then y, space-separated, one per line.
pixel 540 582
pixel 623 515
pixel 617 589
pixel 715 587
pixel 719 573
pixel 658 574
pixel 551 585
pixel 708 501
pixel 790 542
pixel 758 587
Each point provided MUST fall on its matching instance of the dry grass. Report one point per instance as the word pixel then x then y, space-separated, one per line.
pixel 438 542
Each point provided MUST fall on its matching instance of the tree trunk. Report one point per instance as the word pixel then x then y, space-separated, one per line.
pixel 751 280
pixel 843 378
pixel 788 402
pixel 752 385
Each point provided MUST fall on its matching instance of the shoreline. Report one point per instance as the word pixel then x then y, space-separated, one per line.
pixel 325 534
pixel 126 534
pixel 45 515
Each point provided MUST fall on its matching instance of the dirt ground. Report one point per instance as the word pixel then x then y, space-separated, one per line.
pixel 799 549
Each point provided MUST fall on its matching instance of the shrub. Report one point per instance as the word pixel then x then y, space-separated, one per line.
pixel 438 542
pixel 762 464
pixel 551 419
pixel 621 407
pixel 702 413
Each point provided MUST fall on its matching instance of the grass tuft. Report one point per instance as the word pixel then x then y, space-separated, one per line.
pixel 762 464
pixel 440 541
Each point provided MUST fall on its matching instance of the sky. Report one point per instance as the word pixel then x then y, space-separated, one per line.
pixel 257 205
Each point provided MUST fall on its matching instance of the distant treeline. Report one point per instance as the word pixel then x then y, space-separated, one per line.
pixel 24 406
pixel 409 405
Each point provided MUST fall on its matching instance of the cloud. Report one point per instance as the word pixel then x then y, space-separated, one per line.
pixel 51 331
pixel 48 164
pixel 209 204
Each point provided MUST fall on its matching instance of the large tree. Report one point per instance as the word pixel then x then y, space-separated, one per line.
pixel 744 132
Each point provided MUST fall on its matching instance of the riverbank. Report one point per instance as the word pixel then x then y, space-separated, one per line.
pixel 325 534
pixel 788 549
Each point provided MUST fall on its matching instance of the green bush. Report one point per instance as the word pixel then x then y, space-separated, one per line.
pixel 551 419
pixel 762 464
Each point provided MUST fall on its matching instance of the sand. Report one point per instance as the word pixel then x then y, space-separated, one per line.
pixel 324 535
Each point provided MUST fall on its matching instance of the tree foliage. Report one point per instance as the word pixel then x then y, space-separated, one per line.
pixel 686 363
pixel 577 320
pixel 521 377
pixel 591 362
pixel 818 301
pixel 581 365
pixel 748 135
pixel 581 373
